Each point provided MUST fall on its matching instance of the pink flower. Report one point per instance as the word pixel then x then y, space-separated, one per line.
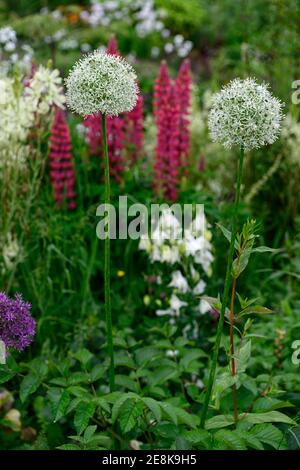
pixel 167 117
pixel 133 128
pixel 183 89
pixel 61 161
pixel 112 47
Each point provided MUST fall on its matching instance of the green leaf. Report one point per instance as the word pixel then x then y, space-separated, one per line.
pixel 126 382
pixel 153 406
pixel 268 417
pixel 83 356
pixel 118 404
pixel 250 440
pixel 265 249
pixel 179 416
pixel 190 357
pixel 77 378
pixel 122 359
pixel 96 373
pixel 240 263
pixel 198 437
pixel 129 413
pixel 220 421
pixel 89 433
pixel 83 414
pixel 243 356
pixel 102 403
pixel 227 235
pixel 163 374
pixel 293 438
pixel 69 447
pixel 29 385
pixel 231 439
pixel 256 310
pixel 6 375
pixel 59 409
pixel 268 434
pixel 268 404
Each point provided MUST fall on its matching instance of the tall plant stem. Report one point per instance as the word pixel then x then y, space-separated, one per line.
pixel 107 297
pixel 233 367
pixel 213 368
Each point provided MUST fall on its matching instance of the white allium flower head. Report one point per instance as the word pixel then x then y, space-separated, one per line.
pixel 101 83
pixel 245 113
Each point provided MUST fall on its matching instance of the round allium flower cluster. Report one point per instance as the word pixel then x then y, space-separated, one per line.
pixel 17 327
pixel 103 83
pixel 245 113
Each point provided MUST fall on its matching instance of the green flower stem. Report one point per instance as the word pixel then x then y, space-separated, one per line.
pixel 107 262
pixel 225 293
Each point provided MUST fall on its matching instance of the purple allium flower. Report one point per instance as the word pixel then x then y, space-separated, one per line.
pixel 17 327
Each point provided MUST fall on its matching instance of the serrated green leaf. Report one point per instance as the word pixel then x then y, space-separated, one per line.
pixel 197 437
pixel 89 433
pixel 29 385
pixel 83 414
pixel 243 356
pixel 153 406
pixel 59 408
pixel 268 417
pixel 268 434
pixel 255 310
pixel 69 447
pixel 220 421
pixel 231 439
pixel 119 402
pixel 129 413
pixel 83 356
pixel 96 373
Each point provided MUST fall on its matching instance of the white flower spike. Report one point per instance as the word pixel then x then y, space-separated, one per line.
pixel 245 113
pixel 101 83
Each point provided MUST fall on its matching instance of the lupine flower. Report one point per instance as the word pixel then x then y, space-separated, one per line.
pixel 112 47
pixel 201 164
pixel 17 327
pixel 167 116
pixel 115 144
pixel 93 125
pixel 101 83
pixel 161 89
pixel 183 89
pixel 245 113
pixel 133 125
pixel 61 162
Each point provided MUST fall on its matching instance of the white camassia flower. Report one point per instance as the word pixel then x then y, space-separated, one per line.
pixel 102 83
pixel 179 282
pixel 245 113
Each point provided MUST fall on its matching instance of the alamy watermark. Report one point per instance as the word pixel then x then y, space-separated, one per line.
pixel 296 94
pixel 2 352
pixel 296 353
pixel 158 221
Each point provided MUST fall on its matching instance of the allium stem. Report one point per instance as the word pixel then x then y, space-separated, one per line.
pixel 225 292
pixel 233 364
pixel 107 261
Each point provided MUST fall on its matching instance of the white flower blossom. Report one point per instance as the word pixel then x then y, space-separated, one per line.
pixel 176 304
pixel 204 307
pixel 179 282
pixel 103 83
pixel 199 287
pixel 245 113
